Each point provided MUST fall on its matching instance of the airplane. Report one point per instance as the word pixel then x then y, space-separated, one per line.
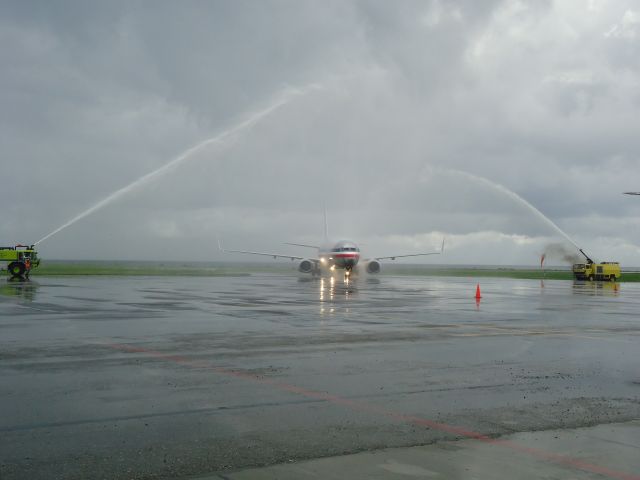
pixel 632 193
pixel 331 256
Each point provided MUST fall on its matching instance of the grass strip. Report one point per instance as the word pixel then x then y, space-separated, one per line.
pixel 60 268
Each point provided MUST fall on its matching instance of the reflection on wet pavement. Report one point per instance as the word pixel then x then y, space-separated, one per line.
pixel 183 376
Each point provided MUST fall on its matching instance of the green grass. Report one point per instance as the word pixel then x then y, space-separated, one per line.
pixel 193 269
pixel 125 269
pixel 497 272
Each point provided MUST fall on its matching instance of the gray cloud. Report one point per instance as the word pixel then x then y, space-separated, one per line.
pixel 541 97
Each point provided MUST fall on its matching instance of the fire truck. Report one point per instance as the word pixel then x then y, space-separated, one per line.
pixel 21 259
pixel 608 271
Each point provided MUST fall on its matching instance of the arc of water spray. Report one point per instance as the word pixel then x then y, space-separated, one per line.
pixel 513 195
pixel 282 99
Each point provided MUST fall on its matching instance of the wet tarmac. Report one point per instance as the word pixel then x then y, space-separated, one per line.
pixel 511 456
pixel 175 377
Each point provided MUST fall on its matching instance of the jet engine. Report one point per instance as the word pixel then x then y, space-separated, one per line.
pixel 373 266
pixel 306 266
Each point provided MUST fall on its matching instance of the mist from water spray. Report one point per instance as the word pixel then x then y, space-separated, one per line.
pixel 558 251
pixel 281 100
pixel 513 195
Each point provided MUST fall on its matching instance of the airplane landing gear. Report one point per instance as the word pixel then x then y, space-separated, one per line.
pixel 347 274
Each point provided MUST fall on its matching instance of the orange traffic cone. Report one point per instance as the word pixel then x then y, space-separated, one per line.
pixel 478 296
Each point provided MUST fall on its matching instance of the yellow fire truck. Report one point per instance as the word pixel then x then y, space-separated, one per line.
pixel 21 259
pixel 608 271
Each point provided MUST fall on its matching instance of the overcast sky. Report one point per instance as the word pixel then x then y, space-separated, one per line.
pixel 405 113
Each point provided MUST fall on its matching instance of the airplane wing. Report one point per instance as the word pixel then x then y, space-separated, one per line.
pixel 393 257
pixel 632 193
pixel 302 245
pixel 264 254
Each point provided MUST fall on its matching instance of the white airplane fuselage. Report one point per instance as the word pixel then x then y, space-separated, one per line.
pixel 344 254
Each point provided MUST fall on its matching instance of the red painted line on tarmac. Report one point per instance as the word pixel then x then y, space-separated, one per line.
pixel 364 407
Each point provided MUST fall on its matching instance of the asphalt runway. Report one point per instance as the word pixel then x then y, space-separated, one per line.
pixel 176 377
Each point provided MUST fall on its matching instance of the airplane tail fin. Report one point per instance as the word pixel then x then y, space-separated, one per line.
pixel 326 225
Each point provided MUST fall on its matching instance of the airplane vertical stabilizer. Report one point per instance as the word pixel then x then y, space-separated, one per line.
pixel 326 226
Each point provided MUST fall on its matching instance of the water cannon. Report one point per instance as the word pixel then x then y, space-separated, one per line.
pixel 589 261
